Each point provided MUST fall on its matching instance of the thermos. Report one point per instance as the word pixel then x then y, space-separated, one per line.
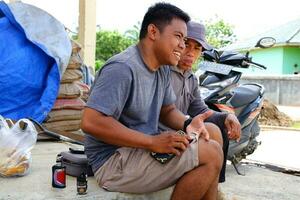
pixel 58 174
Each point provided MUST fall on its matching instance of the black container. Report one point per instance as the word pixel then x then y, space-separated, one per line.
pixel 76 163
pixel 82 184
pixel 58 176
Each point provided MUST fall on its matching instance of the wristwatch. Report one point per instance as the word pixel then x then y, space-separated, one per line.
pixel 186 123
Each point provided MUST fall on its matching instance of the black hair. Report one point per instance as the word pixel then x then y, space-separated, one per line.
pixel 161 14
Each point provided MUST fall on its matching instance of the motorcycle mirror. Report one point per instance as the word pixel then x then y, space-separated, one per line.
pixel 247 54
pixel 216 54
pixel 266 42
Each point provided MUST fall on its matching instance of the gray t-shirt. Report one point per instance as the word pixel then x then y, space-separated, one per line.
pixel 186 89
pixel 132 94
pixel 188 97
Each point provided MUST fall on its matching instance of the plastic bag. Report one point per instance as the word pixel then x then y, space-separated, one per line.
pixel 16 143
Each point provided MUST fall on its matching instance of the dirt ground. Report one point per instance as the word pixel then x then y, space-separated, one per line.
pixel 270 115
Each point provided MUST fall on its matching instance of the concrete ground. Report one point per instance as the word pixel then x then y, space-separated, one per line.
pixel 37 184
pixel 278 147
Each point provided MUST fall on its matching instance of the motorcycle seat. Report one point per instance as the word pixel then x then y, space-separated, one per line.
pixel 245 94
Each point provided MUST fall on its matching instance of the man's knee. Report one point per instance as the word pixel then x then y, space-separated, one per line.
pixel 210 152
pixel 214 132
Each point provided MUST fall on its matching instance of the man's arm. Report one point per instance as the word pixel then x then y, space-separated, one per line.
pixel 233 126
pixel 197 106
pixel 172 117
pixel 221 119
pixel 109 130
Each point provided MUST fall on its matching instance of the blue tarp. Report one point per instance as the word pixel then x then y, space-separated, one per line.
pixel 29 76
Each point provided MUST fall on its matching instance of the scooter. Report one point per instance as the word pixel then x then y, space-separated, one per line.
pixel 221 91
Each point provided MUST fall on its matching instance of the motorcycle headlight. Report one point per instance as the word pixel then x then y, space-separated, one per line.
pixel 205 92
pixel 213 87
pixel 222 84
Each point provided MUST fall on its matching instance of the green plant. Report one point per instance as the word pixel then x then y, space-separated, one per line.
pixel 219 33
pixel 296 125
pixel 110 43
pixel 133 34
pixel 99 64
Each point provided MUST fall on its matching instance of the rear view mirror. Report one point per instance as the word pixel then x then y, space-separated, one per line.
pixel 266 42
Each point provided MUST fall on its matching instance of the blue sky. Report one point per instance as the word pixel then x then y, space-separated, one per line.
pixel 247 17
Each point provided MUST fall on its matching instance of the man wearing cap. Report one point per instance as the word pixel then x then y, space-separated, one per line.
pixel 188 99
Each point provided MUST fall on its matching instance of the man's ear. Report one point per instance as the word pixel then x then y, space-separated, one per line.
pixel 152 31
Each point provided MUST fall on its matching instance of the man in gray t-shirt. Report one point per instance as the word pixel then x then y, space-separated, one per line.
pixel 128 91
pixel 187 91
pixel 130 95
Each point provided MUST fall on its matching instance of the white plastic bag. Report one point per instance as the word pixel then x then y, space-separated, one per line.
pixel 16 143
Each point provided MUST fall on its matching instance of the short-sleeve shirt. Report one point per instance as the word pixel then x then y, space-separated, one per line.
pixel 128 91
pixel 188 97
pixel 186 89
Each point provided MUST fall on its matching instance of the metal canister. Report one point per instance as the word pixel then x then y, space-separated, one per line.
pixel 58 176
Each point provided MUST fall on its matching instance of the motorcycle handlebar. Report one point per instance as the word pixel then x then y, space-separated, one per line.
pixel 259 65
pixel 256 64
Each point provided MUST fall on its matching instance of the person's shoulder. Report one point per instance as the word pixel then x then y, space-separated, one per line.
pixel 191 76
pixel 194 77
pixel 193 81
pixel 165 69
pixel 126 57
pixel 122 61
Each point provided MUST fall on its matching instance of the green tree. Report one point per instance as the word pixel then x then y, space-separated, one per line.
pixel 219 33
pixel 108 44
pixel 134 33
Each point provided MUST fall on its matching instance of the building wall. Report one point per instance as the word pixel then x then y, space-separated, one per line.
pixel 271 58
pixel 291 60
pixel 278 60
pixel 280 90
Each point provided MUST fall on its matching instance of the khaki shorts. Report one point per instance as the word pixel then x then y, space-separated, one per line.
pixel 135 171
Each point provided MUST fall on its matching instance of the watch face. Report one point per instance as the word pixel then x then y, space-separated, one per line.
pixel 163 158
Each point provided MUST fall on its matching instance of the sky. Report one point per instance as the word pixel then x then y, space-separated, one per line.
pixel 248 18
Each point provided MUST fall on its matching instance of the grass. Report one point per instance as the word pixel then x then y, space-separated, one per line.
pixel 296 124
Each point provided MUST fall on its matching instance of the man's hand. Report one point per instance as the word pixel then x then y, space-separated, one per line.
pixel 169 142
pixel 233 127
pixel 197 125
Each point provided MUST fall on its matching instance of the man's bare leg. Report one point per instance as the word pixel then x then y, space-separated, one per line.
pixel 214 132
pixel 212 191
pixel 201 182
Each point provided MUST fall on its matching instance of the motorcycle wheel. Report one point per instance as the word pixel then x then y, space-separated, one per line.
pixel 247 145
pixel 253 143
